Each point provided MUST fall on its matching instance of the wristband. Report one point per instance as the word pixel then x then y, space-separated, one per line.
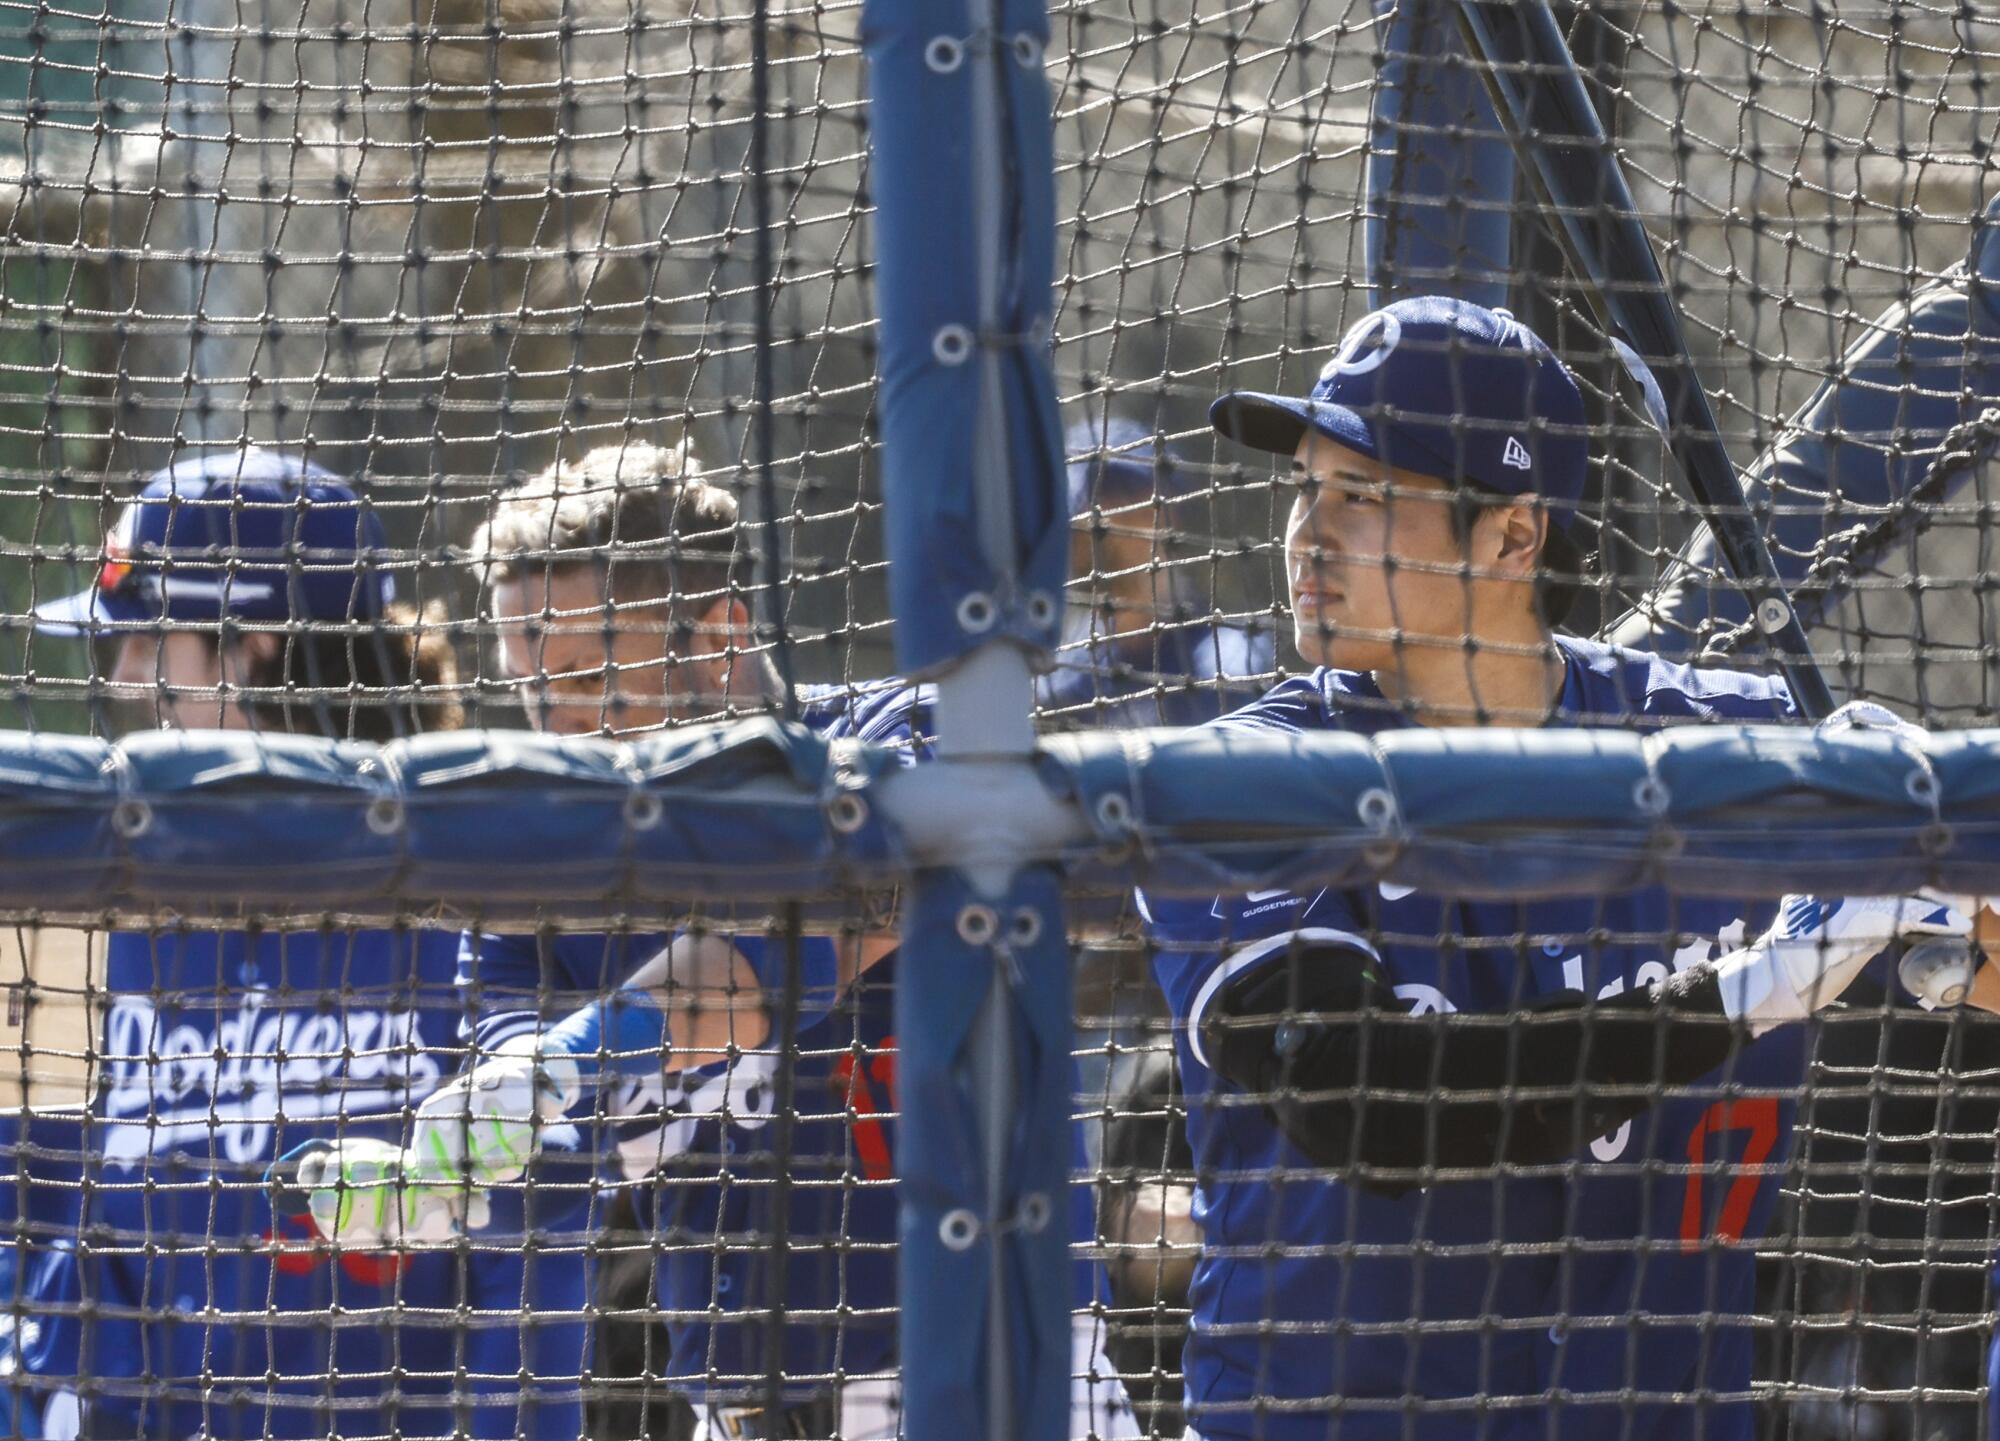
pixel 625 1034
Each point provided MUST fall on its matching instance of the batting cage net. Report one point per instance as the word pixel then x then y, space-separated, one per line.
pixel 480 485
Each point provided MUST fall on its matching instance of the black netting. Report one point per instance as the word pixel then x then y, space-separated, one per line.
pixel 512 365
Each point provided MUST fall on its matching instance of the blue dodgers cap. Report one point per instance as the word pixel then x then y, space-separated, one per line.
pixel 254 534
pixel 1444 388
pixel 1117 455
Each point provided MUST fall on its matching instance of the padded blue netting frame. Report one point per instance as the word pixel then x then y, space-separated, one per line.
pixel 95 832
pixel 1001 832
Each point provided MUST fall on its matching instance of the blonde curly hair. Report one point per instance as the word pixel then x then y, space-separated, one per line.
pixel 640 512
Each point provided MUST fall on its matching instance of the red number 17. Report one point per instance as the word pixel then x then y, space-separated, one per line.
pixel 1760 1118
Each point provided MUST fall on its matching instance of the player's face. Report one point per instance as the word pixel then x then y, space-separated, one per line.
pixel 172 680
pixel 584 670
pixel 1372 560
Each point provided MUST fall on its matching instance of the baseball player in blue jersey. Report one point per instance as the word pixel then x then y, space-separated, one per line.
pixel 1141 645
pixel 180 1304
pixel 692 1146
pixel 1417 1223
pixel 637 1028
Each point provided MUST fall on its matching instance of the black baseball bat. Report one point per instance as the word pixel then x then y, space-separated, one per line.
pixel 1539 95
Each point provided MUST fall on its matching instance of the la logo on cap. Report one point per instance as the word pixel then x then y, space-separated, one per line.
pixel 1516 455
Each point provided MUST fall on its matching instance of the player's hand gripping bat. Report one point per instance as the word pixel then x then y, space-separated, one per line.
pixel 368 1195
pixel 478 1131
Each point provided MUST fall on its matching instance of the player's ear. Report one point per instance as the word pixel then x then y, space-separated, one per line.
pixel 723 626
pixel 1514 536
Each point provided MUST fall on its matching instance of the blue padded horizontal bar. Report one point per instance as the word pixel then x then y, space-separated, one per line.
pixel 505 823
pixel 57 798
pixel 1734 810
pixel 501 823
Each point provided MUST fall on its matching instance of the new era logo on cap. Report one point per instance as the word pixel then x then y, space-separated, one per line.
pixel 1516 455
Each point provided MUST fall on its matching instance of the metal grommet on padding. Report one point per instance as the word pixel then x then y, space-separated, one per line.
pixel 643 810
pixel 1773 615
pixel 1042 608
pixel 1114 812
pixel 847 813
pixel 958 1229
pixel 1026 927
pixel 1036 1212
pixel 952 345
pixel 944 54
pixel 132 818
pixel 1921 786
pixel 385 815
pixel 1027 51
pixel 976 612
pixel 1377 808
pixel 1651 796
pixel 978 925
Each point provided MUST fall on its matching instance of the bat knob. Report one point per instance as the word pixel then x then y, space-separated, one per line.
pixel 294 1176
pixel 1939 971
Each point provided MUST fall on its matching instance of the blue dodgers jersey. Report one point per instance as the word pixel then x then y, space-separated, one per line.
pixel 712 1209
pixel 519 984
pixel 1591 1300
pixel 690 1123
pixel 887 713
pixel 1993 1380
pixel 183 1306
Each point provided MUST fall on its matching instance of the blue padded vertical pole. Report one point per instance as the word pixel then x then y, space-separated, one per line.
pixel 963 175
pixel 1440 172
pixel 964 181
pixel 985 1275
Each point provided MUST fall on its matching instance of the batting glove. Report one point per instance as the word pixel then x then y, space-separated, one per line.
pixel 483 1128
pixel 1816 949
pixel 365 1195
